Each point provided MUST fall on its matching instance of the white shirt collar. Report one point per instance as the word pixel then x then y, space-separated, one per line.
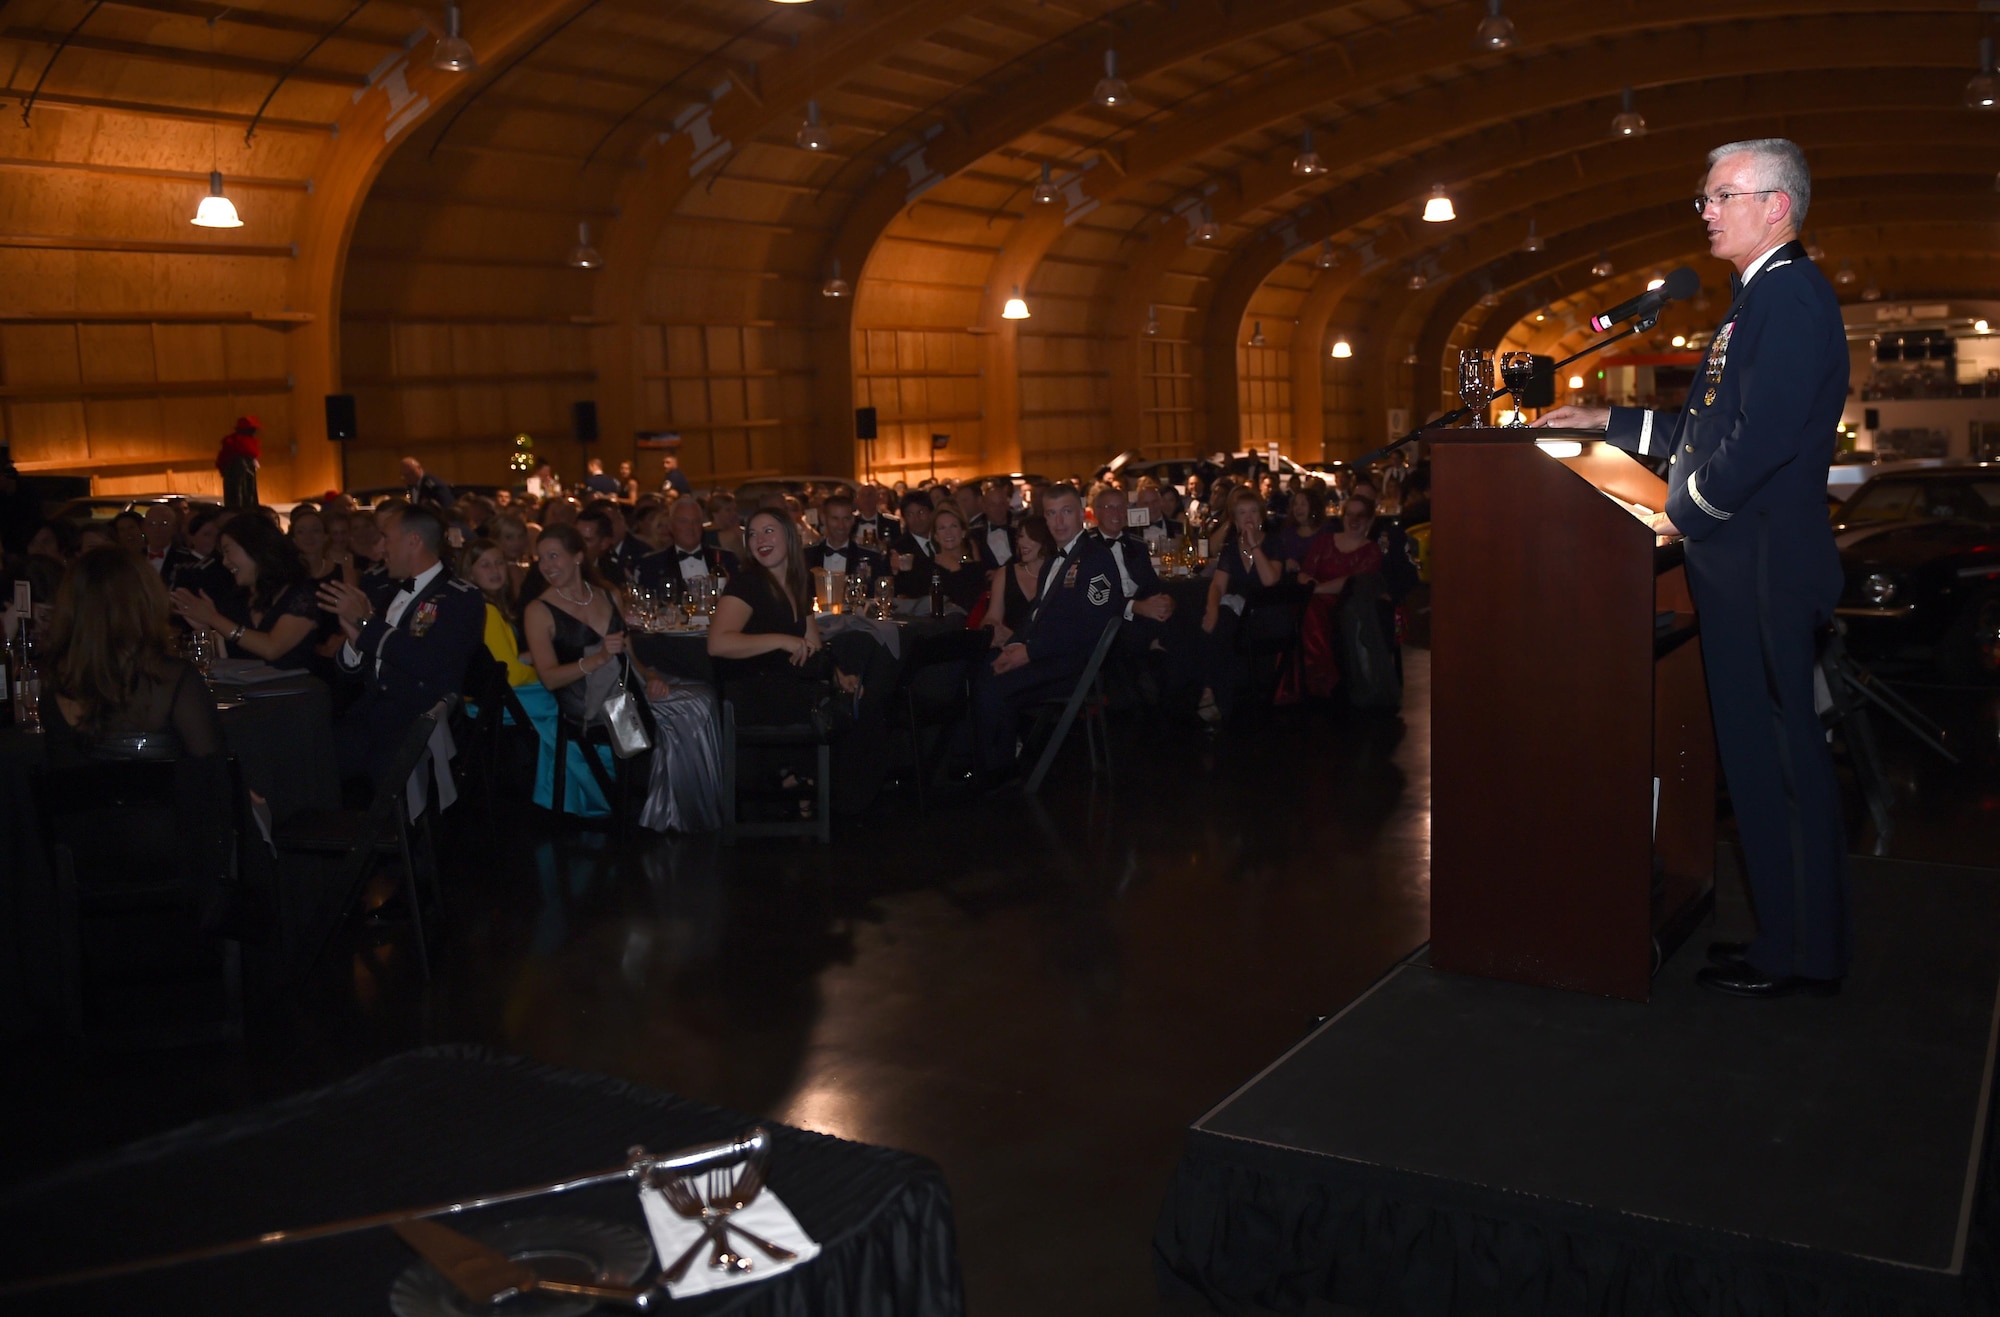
pixel 1758 264
pixel 425 577
pixel 1073 541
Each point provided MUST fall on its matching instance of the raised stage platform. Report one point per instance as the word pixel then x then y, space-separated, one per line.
pixel 1458 1145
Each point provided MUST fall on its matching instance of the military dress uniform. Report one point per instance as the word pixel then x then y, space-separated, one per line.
pixel 1748 459
pixel 1078 595
pixel 406 666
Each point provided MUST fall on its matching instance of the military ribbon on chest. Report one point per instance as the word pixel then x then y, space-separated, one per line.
pixel 1718 357
pixel 426 614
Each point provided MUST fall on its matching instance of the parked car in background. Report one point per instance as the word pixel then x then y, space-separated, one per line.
pixel 1850 471
pixel 374 494
pixel 1920 558
pixel 101 510
pixel 752 492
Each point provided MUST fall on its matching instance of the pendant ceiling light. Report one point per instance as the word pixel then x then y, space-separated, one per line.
pixel 1016 308
pixel 216 211
pixel 1533 242
pixel 1046 192
pixel 1814 252
pixel 1342 349
pixel 1326 259
pixel 1490 298
pixel 1152 322
pixel 835 286
pixel 812 134
pixel 1496 30
pixel 1845 274
pixel 1111 89
pixel 1983 92
pixel 1871 293
pixel 1602 266
pixel 1208 230
pixel 1307 164
pixel 1410 358
pixel 1417 282
pixel 453 53
pixel 584 256
pixel 1257 334
pixel 1627 122
pixel 1437 209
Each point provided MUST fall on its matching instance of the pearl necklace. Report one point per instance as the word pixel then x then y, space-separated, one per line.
pixel 580 603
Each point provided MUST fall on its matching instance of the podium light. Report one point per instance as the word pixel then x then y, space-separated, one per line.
pixel 1342 349
pixel 1496 30
pixel 1602 267
pixel 1533 242
pixel 1438 209
pixel 835 286
pixel 1307 164
pixel 1680 340
pixel 1016 308
pixel 1627 122
pixel 1983 92
pixel 1326 259
pixel 1560 447
pixel 812 134
pixel 453 53
pixel 1046 192
pixel 1981 327
pixel 216 211
pixel 584 256
pixel 1111 89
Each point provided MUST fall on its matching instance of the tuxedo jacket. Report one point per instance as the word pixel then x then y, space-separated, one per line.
pixel 854 555
pixel 661 570
pixel 887 528
pixel 423 657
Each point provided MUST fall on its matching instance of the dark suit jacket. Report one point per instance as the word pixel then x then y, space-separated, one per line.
pixel 855 555
pixel 887 528
pixel 661 570
pixel 915 583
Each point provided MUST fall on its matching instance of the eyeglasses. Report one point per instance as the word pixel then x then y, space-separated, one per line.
pixel 1721 199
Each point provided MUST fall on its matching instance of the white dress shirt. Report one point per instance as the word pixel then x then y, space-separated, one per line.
pixel 350 657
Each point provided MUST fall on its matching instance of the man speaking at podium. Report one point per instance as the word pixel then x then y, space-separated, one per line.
pixel 1747 488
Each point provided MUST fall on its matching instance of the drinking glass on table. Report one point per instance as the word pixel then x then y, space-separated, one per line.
pixel 1475 378
pixel 1517 371
pixel 200 651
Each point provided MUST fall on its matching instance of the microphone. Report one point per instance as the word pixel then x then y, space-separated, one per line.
pixel 1680 285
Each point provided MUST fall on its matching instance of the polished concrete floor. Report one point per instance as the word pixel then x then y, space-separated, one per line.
pixel 1039 997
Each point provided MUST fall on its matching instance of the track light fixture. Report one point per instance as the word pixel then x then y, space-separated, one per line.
pixel 584 256
pixel 1437 209
pixel 1307 164
pixel 835 286
pixel 216 211
pixel 1983 92
pixel 1496 30
pixel 453 53
pixel 1046 192
pixel 812 135
pixel 1111 89
pixel 1627 122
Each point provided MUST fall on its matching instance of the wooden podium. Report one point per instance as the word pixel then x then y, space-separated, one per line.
pixel 1572 756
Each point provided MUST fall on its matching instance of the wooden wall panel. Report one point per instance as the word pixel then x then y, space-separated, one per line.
pixel 1264 396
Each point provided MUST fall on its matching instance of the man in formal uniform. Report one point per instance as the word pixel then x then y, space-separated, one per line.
pixel 1747 488
pixel 1171 654
pixel 421 487
pixel 836 550
pixel 409 655
pixel 910 553
pixel 687 556
pixel 994 524
pixel 1078 595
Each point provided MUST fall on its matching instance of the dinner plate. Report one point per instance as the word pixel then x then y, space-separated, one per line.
pixel 570 1248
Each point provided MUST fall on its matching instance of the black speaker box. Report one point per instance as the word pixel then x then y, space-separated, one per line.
pixel 340 426
pixel 864 422
pixel 583 421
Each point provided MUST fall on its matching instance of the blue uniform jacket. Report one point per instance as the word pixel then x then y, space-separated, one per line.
pixel 1750 449
pixel 1131 550
pixel 1075 602
pixel 424 656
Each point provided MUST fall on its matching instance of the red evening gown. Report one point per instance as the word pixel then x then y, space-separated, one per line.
pixel 1318 641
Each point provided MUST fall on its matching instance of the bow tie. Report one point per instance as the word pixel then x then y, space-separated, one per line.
pixel 408 585
pixel 687 555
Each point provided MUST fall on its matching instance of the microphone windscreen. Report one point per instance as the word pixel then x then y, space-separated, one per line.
pixel 1682 284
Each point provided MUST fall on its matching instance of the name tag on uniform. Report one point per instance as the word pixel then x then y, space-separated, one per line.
pixel 835 562
pixel 693 569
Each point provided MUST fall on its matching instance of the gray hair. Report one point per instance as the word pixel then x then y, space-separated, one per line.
pixel 1781 167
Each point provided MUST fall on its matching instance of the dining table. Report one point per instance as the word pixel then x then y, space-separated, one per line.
pixel 280 732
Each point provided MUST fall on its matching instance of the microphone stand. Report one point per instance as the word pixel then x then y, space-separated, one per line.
pixel 1452 418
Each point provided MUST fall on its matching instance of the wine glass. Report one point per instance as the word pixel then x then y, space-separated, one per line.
pixel 1475 378
pixel 200 651
pixel 1517 370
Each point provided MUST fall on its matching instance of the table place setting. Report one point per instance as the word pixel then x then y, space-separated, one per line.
pixel 243 672
pixel 722 1228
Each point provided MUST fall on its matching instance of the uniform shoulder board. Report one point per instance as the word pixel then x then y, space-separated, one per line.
pixel 458 583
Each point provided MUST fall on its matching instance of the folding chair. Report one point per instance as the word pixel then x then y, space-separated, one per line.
pixel 804 735
pixel 1087 699
pixel 383 831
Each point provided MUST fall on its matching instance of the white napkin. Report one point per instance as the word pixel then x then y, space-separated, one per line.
pixel 766 1216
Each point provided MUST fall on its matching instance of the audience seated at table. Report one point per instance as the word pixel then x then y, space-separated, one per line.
pixel 956 565
pixel 1334 562
pixel 1078 595
pixel 874 527
pixel 726 532
pixel 577 638
pixel 688 556
pixel 408 654
pixel 308 532
pixel 482 563
pixel 1168 657
pixel 278 616
pixel 910 552
pixel 777 670
pixel 836 550
pixel 1015 587
pixel 1305 519
pixel 112 690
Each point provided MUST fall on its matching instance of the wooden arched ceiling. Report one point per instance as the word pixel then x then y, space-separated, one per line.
pixel 453 314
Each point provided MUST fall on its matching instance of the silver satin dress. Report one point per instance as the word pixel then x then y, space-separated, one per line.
pixel 684 793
